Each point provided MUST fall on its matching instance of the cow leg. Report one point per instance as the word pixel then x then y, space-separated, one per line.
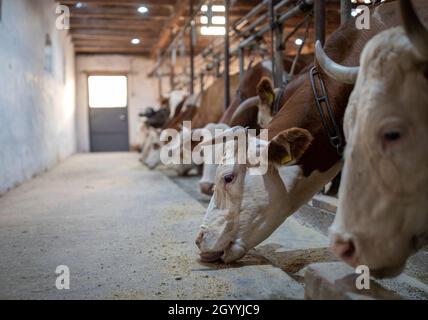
pixel 334 188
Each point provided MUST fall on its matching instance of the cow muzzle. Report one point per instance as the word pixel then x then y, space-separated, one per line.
pixel 207 188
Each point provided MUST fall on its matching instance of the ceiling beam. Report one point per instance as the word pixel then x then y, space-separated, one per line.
pixel 169 27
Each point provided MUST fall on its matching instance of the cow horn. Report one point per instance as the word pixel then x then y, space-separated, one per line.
pixel 334 70
pixel 415 30
pixel 219 138
pixel 248 104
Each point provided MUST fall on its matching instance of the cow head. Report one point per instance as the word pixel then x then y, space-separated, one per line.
pixel 382 215
pixel 151 154
pixel 206 184
pixel 245 209
pixel 262 104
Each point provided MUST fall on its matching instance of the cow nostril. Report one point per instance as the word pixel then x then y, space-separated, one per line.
pixel 199 238
pixel 207 188
pixel 344 249
pixel 350 251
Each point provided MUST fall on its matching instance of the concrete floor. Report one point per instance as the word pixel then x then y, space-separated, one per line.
pixel 128 233
pixel 125 232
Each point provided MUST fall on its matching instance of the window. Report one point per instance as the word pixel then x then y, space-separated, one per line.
pixel 108 91
pixel 215 27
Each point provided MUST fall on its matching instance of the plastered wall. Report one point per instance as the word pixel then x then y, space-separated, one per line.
pixel 37 104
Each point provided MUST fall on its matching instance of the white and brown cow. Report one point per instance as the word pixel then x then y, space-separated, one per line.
pixel 245 209
pixel 382 216
pixel 210 110
pixel 253 105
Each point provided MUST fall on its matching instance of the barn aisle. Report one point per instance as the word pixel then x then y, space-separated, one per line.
pixel 126 232
pixel 123 231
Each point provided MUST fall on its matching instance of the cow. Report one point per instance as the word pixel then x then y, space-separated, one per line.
pixel 155 119
pixel 382 212
pixel 210 110
pixel 245 209
pixel 153 143
pixel 248 110
pixel 159 119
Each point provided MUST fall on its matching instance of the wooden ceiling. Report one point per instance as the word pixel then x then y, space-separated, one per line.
pixel 108 26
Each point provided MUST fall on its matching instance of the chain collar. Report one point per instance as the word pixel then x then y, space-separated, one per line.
pixel 325 111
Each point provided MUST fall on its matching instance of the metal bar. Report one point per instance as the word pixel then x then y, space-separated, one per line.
pixel 210 49
pixel 303 6
pixel 241 54
pixel 177 36
pixel 227 55
pixel 345 11
pixel 172 78
pixel 210 13
pixel 320 21
pixel 251 14
pixel 201 79
pixel 192 50
pixel 289 14
pixel 160 86
pixel 262 17
pixel 272 26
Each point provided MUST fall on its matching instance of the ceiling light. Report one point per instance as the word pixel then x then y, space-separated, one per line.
pixel 143 9
pixel 80 5
pixel 298 42
pixel 214 20
pixel 135 41
pixel 213 31
pixel 204 8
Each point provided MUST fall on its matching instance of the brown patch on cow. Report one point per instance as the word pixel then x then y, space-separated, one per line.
pixel 265 92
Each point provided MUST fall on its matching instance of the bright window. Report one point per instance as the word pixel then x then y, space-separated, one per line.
pixel 108 91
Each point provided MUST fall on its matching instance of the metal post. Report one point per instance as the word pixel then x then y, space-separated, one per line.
pixel 345 11
pixel 172 78
pixel 272 24
pixel 241 54
pixel 319 8
pixel 226 56
pixel 201 79
pixel 159 85
pixel 192 50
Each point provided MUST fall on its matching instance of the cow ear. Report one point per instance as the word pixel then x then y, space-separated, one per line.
pixel 266 93
pixel 288 146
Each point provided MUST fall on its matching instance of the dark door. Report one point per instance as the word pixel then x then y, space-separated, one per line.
pixel 108 113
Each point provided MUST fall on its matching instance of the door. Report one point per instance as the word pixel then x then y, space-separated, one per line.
pixel 108 113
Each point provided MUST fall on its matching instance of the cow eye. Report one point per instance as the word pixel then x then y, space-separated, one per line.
pixel 392 136
pixel 228 178
pixel 156 146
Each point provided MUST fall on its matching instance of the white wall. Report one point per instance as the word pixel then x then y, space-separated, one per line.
pixel 37 107
pixel 143 91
